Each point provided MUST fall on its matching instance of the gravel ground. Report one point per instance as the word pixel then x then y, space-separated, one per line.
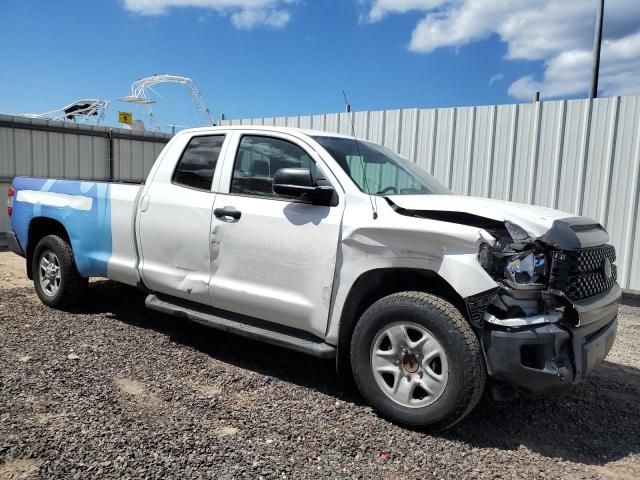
pixel 116 391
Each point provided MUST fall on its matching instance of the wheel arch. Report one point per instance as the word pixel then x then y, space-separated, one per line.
pixel 40 227
pixel 375 284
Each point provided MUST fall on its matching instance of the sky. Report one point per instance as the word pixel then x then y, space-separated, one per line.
pixel 263 58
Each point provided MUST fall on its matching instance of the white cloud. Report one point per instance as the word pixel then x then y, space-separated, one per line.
pixel 382 8
pixel 559 33
pixel 245 14
pixel 250 17
pixel 570 72
pixel 498 77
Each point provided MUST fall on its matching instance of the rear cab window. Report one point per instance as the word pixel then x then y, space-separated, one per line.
pixel 197 165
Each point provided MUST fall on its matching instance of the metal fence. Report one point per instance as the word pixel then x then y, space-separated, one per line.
pixel 582 156
pixel 41 148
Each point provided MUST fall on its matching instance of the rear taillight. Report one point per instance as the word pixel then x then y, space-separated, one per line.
pixel 10 196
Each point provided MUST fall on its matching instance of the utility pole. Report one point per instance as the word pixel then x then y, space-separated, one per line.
pixel 597 41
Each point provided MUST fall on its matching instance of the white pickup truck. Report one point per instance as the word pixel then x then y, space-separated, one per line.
pixel 338 248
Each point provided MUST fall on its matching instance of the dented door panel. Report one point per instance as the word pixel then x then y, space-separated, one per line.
pixel 174 224
pixel 174 240
pixel 276 262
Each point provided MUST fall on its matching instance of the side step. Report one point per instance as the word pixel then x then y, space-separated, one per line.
pixel 249 327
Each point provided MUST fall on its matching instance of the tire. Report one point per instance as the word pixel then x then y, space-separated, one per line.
pixel 61 286
pixel 419 340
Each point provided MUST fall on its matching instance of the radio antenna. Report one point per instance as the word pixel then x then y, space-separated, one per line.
pixel 372 199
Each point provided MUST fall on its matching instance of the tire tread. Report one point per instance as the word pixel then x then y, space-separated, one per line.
pixel 74 286
pixel 474 367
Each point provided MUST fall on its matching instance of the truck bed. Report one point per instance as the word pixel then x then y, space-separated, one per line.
pixel 98 217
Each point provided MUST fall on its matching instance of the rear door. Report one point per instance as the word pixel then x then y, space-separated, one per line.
pixel 273 258
pixel 175 220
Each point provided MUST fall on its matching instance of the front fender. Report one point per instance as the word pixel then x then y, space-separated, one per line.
pixel 451 255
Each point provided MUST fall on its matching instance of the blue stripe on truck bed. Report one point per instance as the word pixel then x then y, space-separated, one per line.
pixel 83 208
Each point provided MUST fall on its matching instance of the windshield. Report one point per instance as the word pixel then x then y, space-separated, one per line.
pixel 378 171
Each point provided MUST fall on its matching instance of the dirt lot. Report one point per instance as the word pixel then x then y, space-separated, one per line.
pixel 116 391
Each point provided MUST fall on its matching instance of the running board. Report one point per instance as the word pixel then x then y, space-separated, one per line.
pixel 244 326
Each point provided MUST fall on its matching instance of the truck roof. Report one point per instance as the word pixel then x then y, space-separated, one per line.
pixel 268 128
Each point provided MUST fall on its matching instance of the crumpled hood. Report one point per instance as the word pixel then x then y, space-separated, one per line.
pixel 536 221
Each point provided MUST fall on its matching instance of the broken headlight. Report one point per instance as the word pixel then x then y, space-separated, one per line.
pixel 526 268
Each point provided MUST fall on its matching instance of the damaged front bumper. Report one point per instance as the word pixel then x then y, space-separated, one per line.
pixel 551 352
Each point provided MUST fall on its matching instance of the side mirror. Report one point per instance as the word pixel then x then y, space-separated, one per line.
pixel 298 183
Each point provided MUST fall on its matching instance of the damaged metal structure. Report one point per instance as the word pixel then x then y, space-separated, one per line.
pixel 545 316
pixel 339 248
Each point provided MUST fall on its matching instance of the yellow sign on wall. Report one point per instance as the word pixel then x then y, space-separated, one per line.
pixel 125 117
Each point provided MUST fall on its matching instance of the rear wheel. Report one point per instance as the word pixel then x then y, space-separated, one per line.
pixel 417 361
pixel 55 276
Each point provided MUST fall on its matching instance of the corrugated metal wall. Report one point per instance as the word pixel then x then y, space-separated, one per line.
pixel 39 148
pixel 581 156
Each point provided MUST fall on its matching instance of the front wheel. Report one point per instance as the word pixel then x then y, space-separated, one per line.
pixel 55 276
pixel 417 361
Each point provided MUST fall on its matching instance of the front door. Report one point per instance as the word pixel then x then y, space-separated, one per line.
pixel 175 222
pixel 273 258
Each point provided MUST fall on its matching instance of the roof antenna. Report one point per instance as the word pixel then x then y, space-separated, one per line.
pixel 372 199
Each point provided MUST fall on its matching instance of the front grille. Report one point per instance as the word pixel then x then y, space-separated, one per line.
pixel 582 273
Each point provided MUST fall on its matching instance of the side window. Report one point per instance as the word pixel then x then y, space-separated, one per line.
pixel 198 162
pixel 259 158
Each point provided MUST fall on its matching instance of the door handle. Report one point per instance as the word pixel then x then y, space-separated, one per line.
pixel 227 212
pixel 144 204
